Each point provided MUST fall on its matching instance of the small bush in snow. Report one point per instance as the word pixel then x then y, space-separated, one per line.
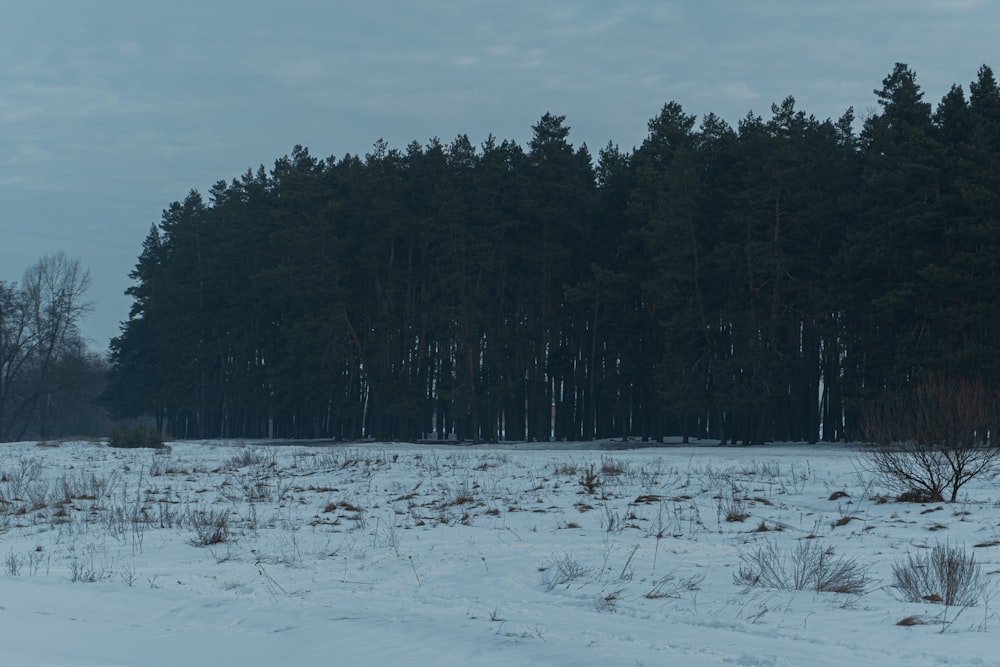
pixel 928 442
pixel 131 437
pixel 808 567
pixel 733 509
pixel 210 527
pixel 590 480
pixel 945 574
pixel 670 586
pixel 562 572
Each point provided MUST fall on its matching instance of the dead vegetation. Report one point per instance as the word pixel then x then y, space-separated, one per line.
pixel 930 441
pixel 647 515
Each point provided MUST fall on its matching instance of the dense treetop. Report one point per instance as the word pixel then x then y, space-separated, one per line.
pixel 742 283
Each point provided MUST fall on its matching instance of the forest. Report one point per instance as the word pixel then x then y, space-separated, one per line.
pixel 746 284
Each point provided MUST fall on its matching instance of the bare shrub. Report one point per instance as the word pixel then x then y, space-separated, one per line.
pixel 945 574
pixel 87 568
pixel 808 567
pixel 22 477
pixel 210 527
pixel 566 469
pixel 87 571
pixel 670 586
pixel 13 563
pixel 251 488
pixel 37 495
pixel 82 486
pixel 612 467
pixel 731 505
pixel 249 457
pixel 261 482
pixel 733 509
pixel 562 571
pixel 928 442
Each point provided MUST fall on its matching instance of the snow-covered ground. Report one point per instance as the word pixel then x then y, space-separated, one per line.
pixel 386 554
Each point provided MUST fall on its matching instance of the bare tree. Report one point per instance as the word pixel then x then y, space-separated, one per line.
pixel 932 440
pixel 39 323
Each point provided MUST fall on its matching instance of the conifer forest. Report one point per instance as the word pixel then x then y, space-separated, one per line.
pixel 752 283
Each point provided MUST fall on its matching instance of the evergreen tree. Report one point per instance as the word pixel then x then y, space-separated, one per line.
pixel 897 232
pixel 745 285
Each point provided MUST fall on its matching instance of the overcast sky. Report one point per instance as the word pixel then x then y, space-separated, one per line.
pixel 111 110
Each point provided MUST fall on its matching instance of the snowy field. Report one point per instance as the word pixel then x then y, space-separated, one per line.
pixel 386 554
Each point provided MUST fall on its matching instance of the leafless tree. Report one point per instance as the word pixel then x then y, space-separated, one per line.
pixel 928 442
pixel 39 323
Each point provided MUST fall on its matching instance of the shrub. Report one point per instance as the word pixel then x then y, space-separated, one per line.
pixel 562 571
pixel 670 587
pixel 246 457
pixel 210 528
pixel 590 480
pixel 945 575
pixel 734 509
pixel 928 442
pixel 131 437
pixel 808 567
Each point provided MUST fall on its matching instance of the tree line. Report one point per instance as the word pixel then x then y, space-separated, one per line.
pixel 749 283
pixel 49 380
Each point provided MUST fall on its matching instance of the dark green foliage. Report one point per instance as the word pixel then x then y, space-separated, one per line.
pixel 135 437
pixel 744 284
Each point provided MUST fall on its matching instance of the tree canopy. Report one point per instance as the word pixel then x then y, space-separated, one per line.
pixel 749 283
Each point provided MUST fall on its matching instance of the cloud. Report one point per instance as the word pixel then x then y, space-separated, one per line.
pixel 739 91
pixel 109 112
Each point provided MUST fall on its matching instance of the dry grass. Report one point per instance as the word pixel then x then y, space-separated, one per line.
pixel 910 621
pixel 944 574
pixel 809 566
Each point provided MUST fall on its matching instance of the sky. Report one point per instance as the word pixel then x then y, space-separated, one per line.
pixel 111 110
